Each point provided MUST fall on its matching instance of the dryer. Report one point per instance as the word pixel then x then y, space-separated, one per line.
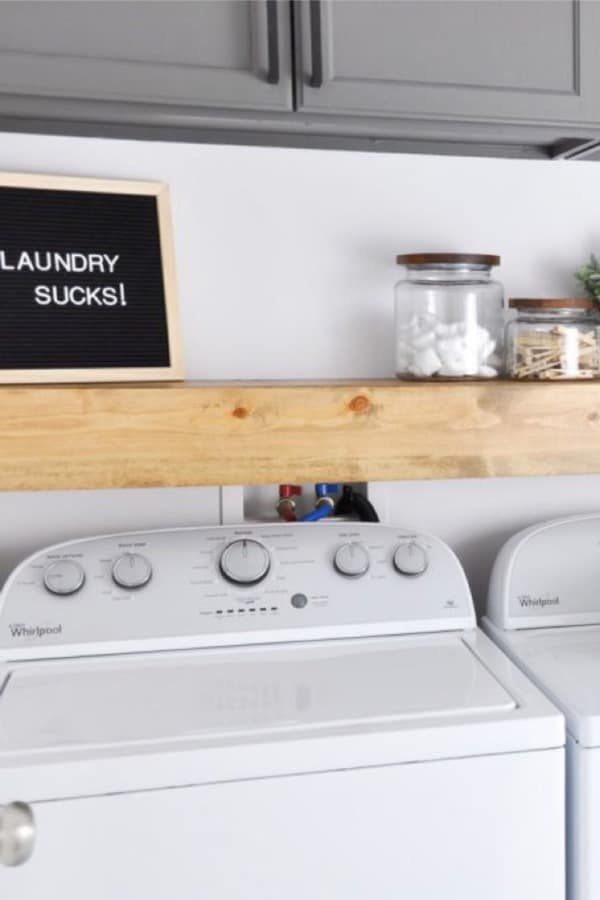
pixel 268 711
pixel 544 611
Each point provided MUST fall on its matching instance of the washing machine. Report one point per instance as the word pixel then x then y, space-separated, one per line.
pixel 544 611
pixel 263 712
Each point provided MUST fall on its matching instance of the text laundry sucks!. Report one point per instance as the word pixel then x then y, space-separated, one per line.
pixel 73 263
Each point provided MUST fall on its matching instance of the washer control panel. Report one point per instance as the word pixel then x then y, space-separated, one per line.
pixel 215 586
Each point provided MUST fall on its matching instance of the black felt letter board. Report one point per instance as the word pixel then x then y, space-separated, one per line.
pixel 81 281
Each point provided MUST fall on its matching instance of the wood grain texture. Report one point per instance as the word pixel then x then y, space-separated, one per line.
pixel 104 436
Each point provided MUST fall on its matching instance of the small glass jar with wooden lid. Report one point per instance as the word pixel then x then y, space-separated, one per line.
pixel 553 339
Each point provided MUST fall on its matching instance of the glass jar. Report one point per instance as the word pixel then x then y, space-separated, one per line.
pixel 553 339
pixel 449 316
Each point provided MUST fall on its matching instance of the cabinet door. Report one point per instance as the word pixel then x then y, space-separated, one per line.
pixel 226 55
pixel 449 829
pixel 532 61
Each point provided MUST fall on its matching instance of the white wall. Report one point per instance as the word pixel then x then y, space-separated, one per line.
pixel 286 267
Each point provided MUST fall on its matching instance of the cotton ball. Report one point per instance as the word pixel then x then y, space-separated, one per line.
pixel 486 349
pixel 425 363
pixel 457 355
pixel 427 347
pixel 451 349
pixel 425 339
pixel 482 335
pixel 452 371
pixel 403 357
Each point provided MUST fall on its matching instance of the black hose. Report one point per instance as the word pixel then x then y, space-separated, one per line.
pixel 365 509
pixel 353 503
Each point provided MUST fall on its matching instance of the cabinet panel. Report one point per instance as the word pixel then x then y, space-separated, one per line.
pixel 490 60
pixel 209 54
pixel 345 835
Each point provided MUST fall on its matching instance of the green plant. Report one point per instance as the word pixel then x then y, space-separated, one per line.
pixel 589 276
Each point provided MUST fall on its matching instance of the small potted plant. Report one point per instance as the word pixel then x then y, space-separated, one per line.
pixel 589 276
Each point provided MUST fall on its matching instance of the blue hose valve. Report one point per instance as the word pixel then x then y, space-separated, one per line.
pixel 322 489
pixel 325 504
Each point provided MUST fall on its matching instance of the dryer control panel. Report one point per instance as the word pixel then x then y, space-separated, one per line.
pixel 217 586
pixel 548 574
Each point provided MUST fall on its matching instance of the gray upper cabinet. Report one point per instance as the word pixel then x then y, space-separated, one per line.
pixel 232 55
pixel 452 61
pixel 506 77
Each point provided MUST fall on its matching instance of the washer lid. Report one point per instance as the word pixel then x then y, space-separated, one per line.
pixel 88 727
pixel 565 663
pixel 219 695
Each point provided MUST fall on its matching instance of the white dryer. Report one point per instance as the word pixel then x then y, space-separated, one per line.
pixel 544 611
pixel 266 712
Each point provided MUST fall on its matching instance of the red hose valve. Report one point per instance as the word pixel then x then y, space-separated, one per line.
pixel 286 506
pixel 289 490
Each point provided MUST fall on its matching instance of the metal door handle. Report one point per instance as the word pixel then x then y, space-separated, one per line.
pixel 17 833
pixel 316 43
pixel 575 148
pixel 273 41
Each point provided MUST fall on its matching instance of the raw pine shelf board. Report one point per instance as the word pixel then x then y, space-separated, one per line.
pixel 116 436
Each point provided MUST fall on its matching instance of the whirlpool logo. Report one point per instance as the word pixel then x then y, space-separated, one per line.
pixel 20 630
pixel 527 600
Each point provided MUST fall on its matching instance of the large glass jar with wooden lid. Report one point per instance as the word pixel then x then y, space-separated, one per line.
pixel 449 316
pixel 553 339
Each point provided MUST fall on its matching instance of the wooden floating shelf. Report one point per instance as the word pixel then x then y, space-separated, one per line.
pixel 116 436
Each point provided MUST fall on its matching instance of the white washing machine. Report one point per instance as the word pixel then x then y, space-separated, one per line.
pixel 267 712
pixel 544 610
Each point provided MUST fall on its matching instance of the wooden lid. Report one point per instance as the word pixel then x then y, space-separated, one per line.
pixel 431 259
pixel 552 303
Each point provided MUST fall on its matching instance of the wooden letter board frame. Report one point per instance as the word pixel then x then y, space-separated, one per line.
pixel 171 372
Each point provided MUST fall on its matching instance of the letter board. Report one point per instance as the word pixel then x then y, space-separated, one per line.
pixel 87 282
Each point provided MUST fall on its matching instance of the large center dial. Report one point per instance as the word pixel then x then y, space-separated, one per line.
pixel 245 562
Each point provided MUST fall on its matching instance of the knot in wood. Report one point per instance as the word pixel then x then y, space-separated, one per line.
pixel 359 404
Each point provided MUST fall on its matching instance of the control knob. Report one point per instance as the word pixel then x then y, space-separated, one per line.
pixel 410 559
pixel 352 559
pixel 64 577
pixel 131 570
pixel 245 562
